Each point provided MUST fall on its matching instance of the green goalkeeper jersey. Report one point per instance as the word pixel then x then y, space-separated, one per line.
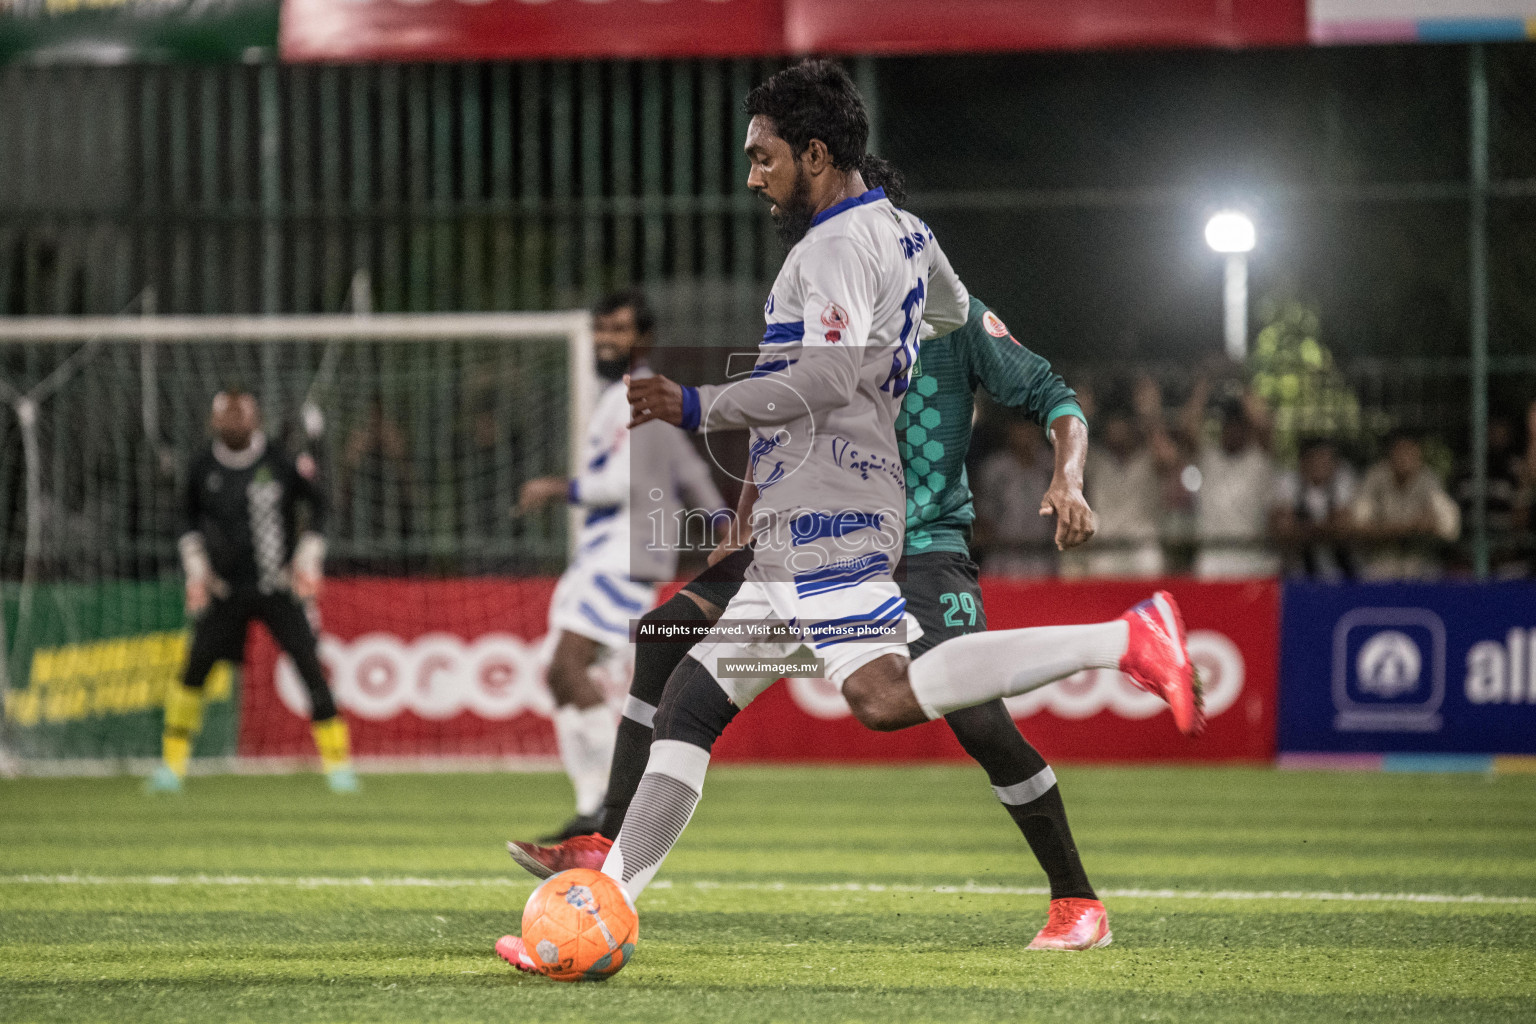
pixel 933 429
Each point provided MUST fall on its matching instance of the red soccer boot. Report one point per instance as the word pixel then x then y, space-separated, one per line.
pixel 511 949
pixel 1157 658
pixel 587 851
pixel 1073 924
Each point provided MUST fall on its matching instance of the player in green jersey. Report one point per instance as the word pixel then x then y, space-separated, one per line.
pixel 933 431
pixel 941 587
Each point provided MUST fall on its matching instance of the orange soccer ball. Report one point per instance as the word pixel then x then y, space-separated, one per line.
pixel 580 926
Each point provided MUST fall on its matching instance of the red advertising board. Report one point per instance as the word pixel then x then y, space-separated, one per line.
pixel 915 26
pixel 455 668
pixel 419 668
pixel 357 30
pixel 352 30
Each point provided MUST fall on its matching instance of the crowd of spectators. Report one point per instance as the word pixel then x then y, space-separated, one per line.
pixel 1201 489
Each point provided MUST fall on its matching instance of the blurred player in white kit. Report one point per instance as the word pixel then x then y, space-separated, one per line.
pixel 646 476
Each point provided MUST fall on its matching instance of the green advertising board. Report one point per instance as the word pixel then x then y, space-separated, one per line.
pixel 123 31
pixel 89 669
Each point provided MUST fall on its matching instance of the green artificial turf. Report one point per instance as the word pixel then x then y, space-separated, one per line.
pixel 803 895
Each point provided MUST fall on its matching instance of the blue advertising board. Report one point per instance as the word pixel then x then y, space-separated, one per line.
pixel 1432 668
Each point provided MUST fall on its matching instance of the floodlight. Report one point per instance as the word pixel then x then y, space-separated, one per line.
pixel 1229 232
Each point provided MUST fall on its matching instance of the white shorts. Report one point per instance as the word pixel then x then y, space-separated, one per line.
pixel 598 603
pixel 823 620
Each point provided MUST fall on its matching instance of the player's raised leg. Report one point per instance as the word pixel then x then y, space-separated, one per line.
pixel 1147 643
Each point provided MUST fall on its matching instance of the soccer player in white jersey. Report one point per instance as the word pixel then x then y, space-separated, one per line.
pixel 613 577
pixel 843 323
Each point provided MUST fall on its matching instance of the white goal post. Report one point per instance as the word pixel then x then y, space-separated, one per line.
pixel 98 416
pixel 89 331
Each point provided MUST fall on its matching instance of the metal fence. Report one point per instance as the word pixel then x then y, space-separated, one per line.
pixel 1397 187
pixel 421 430
pixel 455 187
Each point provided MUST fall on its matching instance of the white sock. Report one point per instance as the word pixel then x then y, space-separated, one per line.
pixel 585 737
pixel 979 667
pixel 668 793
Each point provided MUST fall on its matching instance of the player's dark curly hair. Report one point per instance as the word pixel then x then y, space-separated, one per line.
pixel 880 173
pixel 815 99
pixel 629 298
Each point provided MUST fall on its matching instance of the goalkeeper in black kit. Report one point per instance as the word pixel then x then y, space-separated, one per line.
pixel 245 559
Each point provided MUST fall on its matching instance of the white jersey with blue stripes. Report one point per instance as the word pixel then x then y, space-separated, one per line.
pixel 843 322
pixel 632 486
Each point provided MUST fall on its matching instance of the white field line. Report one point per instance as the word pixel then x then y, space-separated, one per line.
pixel 968 889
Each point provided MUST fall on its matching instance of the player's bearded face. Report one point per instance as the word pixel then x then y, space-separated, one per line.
pixel 778 177
pixel 614 337
pixel 793 214
pixel 235 419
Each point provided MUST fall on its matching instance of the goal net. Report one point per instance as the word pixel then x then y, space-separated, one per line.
pixel 422 430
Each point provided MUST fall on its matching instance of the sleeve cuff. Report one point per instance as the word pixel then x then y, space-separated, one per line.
pixel 572 493
pixel 194 556
pixel 1065 409
pixel 309 554
pixel 690 408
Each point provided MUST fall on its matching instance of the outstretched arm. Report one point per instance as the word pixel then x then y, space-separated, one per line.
pixel 605 479
pixel 819 374
pixel 823 378
pixel 1022 380
pixel 1064 499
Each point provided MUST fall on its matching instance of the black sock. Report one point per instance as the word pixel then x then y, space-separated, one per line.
pixel 1015 769
pixel 1044 824
pixel 694 712
pixel 631 750
pixel 655 661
